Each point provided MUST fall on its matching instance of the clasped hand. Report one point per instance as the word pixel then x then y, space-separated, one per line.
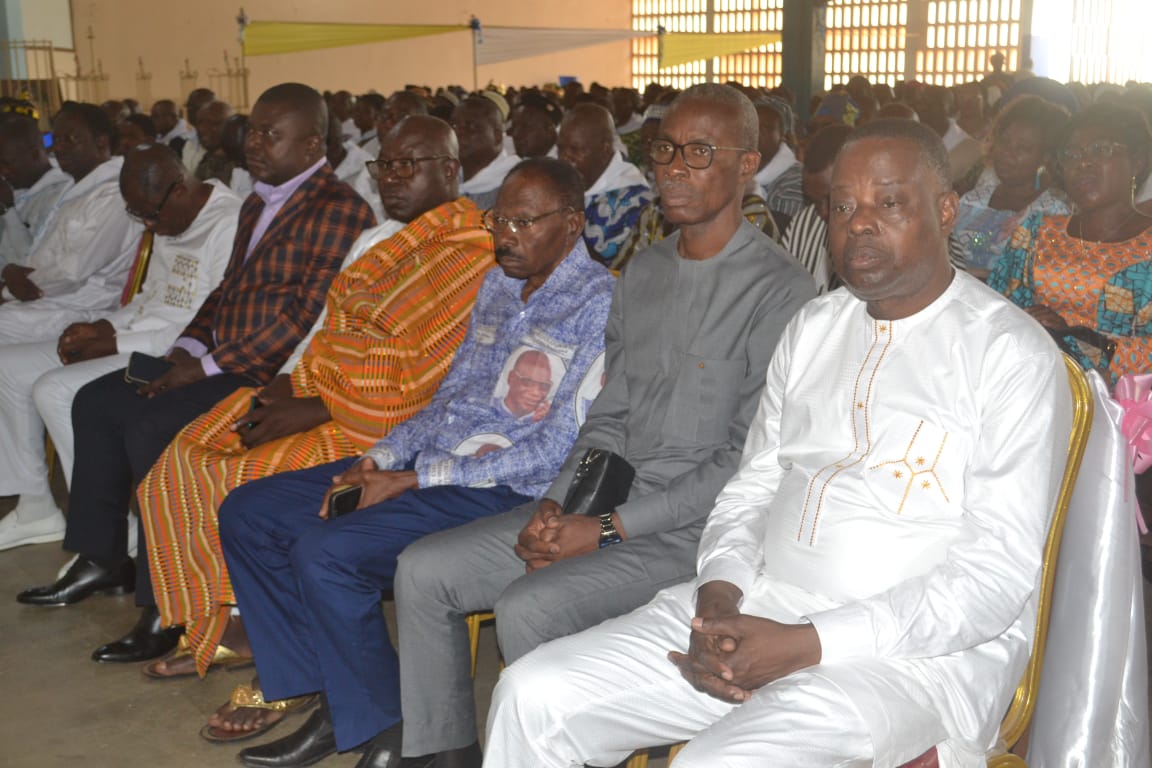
pixel 731 654
pixel 550 535
pixel 86 341
pixel 378 484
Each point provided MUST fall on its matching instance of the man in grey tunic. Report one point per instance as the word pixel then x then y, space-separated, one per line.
pixel 693 324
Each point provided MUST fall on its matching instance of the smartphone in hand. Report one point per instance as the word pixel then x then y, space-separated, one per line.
pixel 344 499
pixel 144 369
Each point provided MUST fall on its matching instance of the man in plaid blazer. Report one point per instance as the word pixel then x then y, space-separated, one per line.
pixel 294 231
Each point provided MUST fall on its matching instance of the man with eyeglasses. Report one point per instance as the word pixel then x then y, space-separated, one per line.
pixel 309 588
pixel 693 324
pixel 292 234
pixel 615 191
pixel 194 224
pixel 867 580
pixel 393 319
pixel 81 252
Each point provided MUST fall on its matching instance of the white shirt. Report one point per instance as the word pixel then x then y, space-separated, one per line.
pixel 618 175
pixel 82 257
pixel 349 130
pixel 1145 191
pixel 182 272
pixel 784 159
pixel 353 171
pixel 192 153
pixel 367 239
pixel 241 183
pixel 30 210
pixel 632 125
pixel 898 481
pixel 483 186
pixel 179 131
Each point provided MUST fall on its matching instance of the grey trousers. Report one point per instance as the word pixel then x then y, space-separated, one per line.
pixel 443 577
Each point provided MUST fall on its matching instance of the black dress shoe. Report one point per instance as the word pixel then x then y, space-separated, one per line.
pixel 147 640
pixel 311 743
pixel 464 757
pixel 383 751
pixel 83 579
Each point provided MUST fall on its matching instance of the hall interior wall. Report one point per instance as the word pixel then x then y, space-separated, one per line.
pixel 163 34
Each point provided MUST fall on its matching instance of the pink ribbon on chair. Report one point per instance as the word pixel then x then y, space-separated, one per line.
pixel 1134 393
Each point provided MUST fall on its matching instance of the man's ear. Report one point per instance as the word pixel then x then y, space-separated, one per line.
pixel 451 168
pixel 749 163
pixel 576 223
pixel 317 147
pixel 949 204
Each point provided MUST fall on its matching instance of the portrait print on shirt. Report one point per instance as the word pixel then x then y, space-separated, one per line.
pixel 527 383
pixel 589 388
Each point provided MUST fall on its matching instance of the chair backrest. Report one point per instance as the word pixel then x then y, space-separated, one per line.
pixel 1019 714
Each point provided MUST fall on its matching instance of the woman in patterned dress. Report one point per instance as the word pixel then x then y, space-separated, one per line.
pixel 1015 185
pixel 1094 267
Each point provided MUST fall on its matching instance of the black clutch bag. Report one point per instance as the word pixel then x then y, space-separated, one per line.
pixel 601 484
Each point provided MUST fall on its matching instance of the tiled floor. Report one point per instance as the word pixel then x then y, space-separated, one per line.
pixel 58 709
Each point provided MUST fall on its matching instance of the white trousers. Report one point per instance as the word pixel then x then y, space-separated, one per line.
pixel 37 391
pixel 40 320
pixel 596 696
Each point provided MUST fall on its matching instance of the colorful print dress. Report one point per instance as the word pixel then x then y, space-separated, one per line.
pixel 1105 286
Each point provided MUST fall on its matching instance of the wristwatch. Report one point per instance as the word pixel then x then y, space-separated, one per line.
pixel 608 533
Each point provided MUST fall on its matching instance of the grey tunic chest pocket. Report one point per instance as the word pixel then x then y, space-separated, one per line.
pixel 704 399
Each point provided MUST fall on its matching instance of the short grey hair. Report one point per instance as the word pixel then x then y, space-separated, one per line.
pixel 726 96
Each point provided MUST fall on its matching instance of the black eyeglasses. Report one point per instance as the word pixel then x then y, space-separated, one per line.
pixel 1096 150
pixel 401 167
pixel 493 222
pixel 697 155
pixel 146 218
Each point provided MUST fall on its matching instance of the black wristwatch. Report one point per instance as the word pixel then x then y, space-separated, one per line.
pixel 608 533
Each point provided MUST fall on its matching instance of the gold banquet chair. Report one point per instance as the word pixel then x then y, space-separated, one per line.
pixel 1019 716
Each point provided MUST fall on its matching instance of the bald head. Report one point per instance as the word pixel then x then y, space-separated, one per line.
pixel 586 139
pixel 302 100
pixel 427 146
pixel 435 135
pixel 151 168
pixel 723 98
pixel 159 192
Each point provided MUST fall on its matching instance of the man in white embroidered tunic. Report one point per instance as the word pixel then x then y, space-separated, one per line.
pixel 866 585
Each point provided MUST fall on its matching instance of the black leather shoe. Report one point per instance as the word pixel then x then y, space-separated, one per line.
pixel 383 751
pixel 464 757
pixel 147 640
pixel 311 743
pixel 83 579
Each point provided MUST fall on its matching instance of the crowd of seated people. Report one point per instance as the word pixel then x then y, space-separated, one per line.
pixel 392 334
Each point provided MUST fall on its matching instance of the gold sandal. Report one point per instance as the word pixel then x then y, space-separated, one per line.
pixel 223 658
pixel 251 697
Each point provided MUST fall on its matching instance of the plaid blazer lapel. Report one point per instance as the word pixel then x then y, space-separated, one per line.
pixel 249 215
pixel 287 216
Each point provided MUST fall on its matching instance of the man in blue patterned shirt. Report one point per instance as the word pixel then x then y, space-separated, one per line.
pixel 310 588
pixel 615 191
